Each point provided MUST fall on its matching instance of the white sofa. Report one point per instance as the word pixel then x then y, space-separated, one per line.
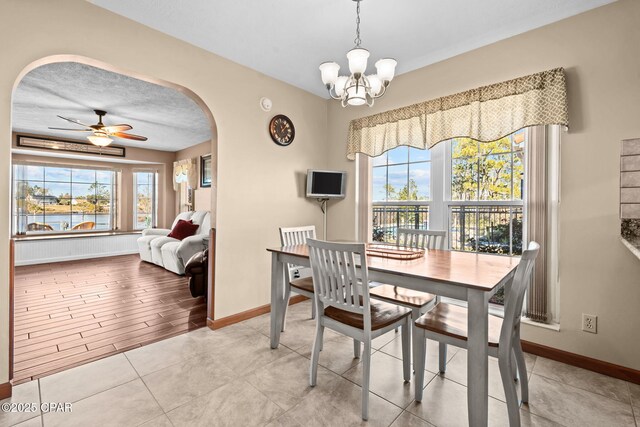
pixel 172 254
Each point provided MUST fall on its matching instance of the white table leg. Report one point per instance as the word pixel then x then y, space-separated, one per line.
pixel 277 292
pixel 478 358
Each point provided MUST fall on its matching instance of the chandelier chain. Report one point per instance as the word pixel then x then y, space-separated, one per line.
pixel 357 40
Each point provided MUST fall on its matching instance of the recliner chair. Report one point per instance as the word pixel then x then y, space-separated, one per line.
pixel 170 253
pixel 197 270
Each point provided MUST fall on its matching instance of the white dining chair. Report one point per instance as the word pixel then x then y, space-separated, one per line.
pixel 290 236
pixel 418 302
pixel 343 305
pixel 447 323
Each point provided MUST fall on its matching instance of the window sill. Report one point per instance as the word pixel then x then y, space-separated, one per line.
pixel 55 236
pixel 551 326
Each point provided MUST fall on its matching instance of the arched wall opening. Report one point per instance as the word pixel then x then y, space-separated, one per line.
pixel 52 59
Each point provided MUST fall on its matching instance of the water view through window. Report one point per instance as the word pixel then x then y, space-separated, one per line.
pixel 62 199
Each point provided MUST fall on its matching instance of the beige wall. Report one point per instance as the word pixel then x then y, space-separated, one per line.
pixel 599 50
pixel 162 162
pixel 260 185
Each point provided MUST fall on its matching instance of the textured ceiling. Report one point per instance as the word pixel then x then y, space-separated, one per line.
pixel 170 120
pixel 288 39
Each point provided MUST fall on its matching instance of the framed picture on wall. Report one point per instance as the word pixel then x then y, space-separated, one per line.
pixel 205 171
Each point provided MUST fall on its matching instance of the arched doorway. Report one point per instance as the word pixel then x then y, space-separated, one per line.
pixel 59 59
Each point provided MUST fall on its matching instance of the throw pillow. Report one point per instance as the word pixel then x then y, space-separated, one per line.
pixel 183 229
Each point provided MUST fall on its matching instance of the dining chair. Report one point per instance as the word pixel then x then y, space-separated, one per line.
pixel 447 323
pixel 418 302
pixel 290 236
pixel 344 305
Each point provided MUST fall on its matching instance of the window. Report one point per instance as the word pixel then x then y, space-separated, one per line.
pixel 63 199
pixel 401 191
pixel 145 199
pixel 486 187
pixel 472 189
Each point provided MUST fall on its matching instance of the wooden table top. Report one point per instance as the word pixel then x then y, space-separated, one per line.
pixel 468 269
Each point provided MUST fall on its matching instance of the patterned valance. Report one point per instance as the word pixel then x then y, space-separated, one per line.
pixel 185 171
pixel 485 114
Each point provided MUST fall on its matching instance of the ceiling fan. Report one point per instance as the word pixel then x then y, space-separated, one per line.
pixel 101 134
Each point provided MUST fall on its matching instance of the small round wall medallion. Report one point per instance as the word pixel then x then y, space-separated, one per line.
pixel 282 130
pixel 265 104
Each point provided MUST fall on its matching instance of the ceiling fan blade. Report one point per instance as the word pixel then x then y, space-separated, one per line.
pixel 117 128
pixel 129 136
pixel 73 130
pixel 77 122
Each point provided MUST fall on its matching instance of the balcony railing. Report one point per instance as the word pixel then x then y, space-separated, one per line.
pixel 490 229
pixel 387 219
pixel 495 229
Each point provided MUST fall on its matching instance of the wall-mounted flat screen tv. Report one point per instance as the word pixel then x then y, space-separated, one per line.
pixel 326 184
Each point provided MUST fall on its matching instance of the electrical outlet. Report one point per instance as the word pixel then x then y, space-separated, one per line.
pixel 590 323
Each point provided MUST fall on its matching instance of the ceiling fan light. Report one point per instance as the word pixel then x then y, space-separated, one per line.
pixel 358 60
pixel 386 69
pixel 100 140
pixel 329 72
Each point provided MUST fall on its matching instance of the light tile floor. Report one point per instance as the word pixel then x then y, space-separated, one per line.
pixel 231 377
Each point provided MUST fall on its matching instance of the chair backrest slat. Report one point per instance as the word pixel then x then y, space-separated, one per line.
pixel 290 236
pixel 337 280
pixel 516 293
pixel 422 239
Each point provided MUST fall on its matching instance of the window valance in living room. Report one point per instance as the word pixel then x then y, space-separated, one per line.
pixel 485 114
pixel 185 171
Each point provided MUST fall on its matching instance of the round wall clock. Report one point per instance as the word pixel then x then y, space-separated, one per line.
pixel 281 130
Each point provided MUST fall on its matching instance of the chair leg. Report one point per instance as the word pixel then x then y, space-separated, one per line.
pixel 313 309
pixel 356 348
pixel 415 314
pixel 406 349
pixel 522 370
pixel 366 375
pixel 442 357
pixel 315 354
pixel 420 345
pixel 506 373
pixel 514 366
pixel 285 304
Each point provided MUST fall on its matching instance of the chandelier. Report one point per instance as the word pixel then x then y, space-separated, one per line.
pixel 358 88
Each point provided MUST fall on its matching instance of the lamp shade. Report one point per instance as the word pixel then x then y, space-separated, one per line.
pixel 100 140
pixel 329 72
pixel 356 97
pixel 386 69
pixel 358 60
pixel 340 83
pixel 375 83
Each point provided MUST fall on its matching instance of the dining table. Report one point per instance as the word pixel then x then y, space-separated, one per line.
pixel 466 276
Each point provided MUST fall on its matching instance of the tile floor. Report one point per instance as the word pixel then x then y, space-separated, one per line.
pixel 230 377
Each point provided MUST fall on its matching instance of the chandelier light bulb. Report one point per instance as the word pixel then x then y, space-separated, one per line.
pixel 341 82
pixel 386 69
pixel 329 72
pixel 375 83
pixel 358 60
pixel 357 88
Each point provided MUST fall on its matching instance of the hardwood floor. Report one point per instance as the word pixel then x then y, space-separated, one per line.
pixel 70 313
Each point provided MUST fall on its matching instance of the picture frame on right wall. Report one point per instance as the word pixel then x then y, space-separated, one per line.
pixel 205 171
